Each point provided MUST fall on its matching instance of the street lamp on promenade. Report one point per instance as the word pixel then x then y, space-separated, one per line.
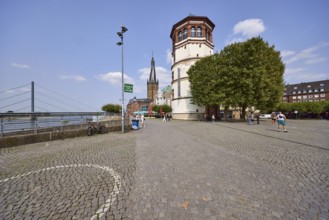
pixel 120 34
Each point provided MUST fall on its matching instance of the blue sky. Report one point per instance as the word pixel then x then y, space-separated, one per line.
pixel 68 48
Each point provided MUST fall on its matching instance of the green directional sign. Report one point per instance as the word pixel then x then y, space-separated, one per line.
pixel 128 88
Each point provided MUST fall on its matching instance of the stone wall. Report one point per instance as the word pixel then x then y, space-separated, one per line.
pixel 17 140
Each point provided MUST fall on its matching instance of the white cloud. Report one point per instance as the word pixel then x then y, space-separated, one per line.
pixel 249 28
pixel 316 60
pixel 73 77
pixel 309 55
pixel 246 29
pixel 168 57
pixel 287 53
pixel 162 74
pixel 10 91
pixel 290 71
pixel 304 76
pixel 114 78
pixel 298 75
pixel 21 66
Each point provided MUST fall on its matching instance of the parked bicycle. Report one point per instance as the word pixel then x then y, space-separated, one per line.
pixel 96 128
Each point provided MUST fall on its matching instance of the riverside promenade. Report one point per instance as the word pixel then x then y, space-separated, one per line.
pixel 172 170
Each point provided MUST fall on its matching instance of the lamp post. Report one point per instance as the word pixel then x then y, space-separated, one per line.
pixel 120 34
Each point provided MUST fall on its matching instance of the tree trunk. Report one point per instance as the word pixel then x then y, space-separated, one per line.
pixel 243 113
pixel 225 112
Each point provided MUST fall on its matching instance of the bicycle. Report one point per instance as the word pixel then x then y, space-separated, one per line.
pixel 96 128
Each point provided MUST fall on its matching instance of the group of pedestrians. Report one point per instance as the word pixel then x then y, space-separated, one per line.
pixel 280 118
pixel 166 117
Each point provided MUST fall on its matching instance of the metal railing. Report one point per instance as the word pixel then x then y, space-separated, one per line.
pixel 29 123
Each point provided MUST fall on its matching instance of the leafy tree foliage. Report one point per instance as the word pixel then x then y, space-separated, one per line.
pixel 304 107
pixel 243 75
pixel 165 108
pixel 113 108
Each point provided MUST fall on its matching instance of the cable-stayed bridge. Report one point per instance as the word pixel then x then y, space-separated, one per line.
pixel 34 107
pixel 34 97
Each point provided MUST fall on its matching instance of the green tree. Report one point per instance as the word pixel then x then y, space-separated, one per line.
pixel 165 108
pixel 112 108
pixel 233 78
pixel 156 108
pixel 317 108
pixel 202 77
pixel 260 70
pixel 243 75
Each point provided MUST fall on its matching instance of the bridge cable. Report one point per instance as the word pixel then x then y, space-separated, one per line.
pixel 15 95
pixel 65 96
pixel 14 88
pixel 15 103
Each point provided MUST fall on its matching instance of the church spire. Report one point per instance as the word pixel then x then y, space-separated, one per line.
pixel 152 78
pixel 152 82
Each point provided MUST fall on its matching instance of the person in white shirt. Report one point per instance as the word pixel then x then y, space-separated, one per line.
pixel 142 120
pixel 281 119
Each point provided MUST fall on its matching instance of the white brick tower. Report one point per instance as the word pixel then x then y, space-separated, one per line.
pixel 191 41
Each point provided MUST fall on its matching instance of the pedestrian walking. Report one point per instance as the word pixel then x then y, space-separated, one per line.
pixel 164 118
pixel 213 119
pixel 281 122
pixel 142 121
pixel 251 119
pixel 273 116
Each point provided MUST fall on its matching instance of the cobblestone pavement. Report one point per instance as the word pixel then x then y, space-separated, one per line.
pixel 172 170
pixel 80 178
pixel 198 170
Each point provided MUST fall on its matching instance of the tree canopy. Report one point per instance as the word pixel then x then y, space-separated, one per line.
pixel 242 75
pixel 165 108
pixel 113 108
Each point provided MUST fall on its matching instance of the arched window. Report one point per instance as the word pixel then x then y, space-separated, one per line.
pixel 193 32
pixel 185 34
pixel 199 32
pixel 180 36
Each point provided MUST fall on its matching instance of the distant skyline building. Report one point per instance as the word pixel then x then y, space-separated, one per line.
pixel 191 40
pixel 152 82
pixel 307 92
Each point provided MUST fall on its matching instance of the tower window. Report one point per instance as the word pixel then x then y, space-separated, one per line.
pixel 180 36
pixel 185 34
pixel 193 32
pixel 199 32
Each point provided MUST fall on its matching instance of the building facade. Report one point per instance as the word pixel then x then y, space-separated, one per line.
pixel 138 106
pixel 164 96
pixel 152 82
pixel 191 40
pixel 307 92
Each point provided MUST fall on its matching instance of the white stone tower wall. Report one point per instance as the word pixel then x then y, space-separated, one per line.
pixel 185 53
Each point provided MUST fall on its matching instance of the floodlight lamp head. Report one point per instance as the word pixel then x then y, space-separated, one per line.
pixel 119 34
pixel 119 43
pixel 123 29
